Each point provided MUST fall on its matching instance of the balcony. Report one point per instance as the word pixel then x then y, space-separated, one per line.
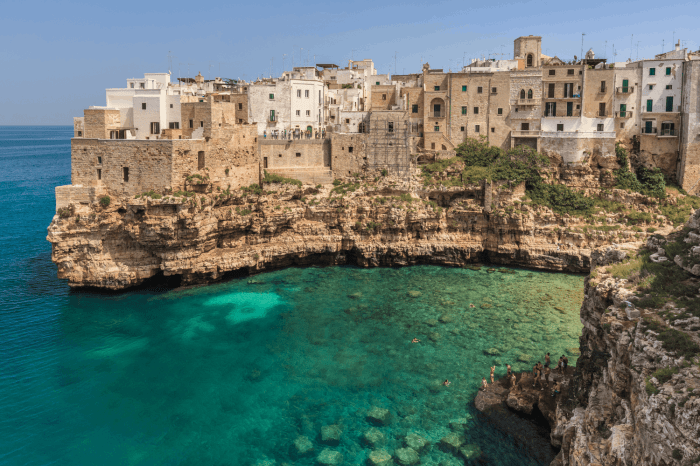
pixel 525 133
pixel 272 119
pixel 646 130
pixel 625 90
pixel 526 102
pixel 438 114
pixel 667 133
pixel 602 114
pixel 625 114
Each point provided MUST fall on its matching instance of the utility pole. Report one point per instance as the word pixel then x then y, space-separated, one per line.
pixel 582 34
pixel 638 49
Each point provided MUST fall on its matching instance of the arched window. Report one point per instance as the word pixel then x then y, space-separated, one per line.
pixel 529 94
pixel 529 59
pixel 361 128
pixel 522 93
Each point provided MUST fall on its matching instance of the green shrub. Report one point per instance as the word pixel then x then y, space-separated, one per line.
pixel 560 198
pixel 252 189
pixel 650 388
pixel 105 200
pixel 665 374
pixel 677 454
pixel 64 212
pixel 645 181
pixel 384 172
pixel 274 178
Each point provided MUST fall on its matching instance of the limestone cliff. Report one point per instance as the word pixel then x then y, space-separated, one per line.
pixel 374 221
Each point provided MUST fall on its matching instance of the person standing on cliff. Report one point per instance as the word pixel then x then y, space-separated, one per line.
pixel 565 360
pixel 509 369
pixel 493 368
pixel 547 361
pixel 513 381
pixel 547 370
pixel 560 365
pixel 484 383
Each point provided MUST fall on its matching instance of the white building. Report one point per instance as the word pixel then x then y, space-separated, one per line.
pixel 660 92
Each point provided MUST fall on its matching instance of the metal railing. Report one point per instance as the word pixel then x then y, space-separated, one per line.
pixel 526 102
pixel 438 115
pixel 646 130
pixel 602 114
pixel 625 90
pixel 667 132
pixel 623 114
pixel 525 133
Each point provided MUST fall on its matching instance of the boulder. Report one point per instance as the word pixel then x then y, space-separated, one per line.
pixel 407 456
pixel 451 443
pixel 302 446
pixel 416 442
pixel 374 438
pixel 379 458
pixel 470 452
pixel 379 416
pixel 330 435
pixel 329 457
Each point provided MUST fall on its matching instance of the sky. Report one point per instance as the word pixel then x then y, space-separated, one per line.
pixel 57 58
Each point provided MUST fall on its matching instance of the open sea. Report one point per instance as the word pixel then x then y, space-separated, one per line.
pixel 238 373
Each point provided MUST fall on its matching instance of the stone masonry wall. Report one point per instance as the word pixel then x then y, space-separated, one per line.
pixel 344 162
pixel 99 122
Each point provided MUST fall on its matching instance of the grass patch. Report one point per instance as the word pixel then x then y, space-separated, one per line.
pixel 664 375
pixel 252 189
pixel 274 178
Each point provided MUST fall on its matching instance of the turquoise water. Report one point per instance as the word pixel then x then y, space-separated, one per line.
pixel 233 373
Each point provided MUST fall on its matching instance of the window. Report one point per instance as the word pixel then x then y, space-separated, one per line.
pixel 560 127
pixel 298 154
pixel 377 83
pixel 550 91
pixel 522 93
pixel 476 128
pixel 669 103
pixel 383 96
pixel 132 85
pixel 390 127
pixel 650 105
pixel 568 89
pixel 550 109
pixel 602 86
pixel 432 145
pixel 569 109
pixel 529 93
pixel 298 92
pixel 80 134
pixel 476 110
pixel 272 115
pixel 298 112
pixel 669 86
pixel 240 120
pixel 524 126
pixel 99 160
pixel 174 125
pixel 414 109
pixel 347 120
pixel 272 96
pixel 306 94
pixel 99 173
pixel 125 174
pixel 652 71
pixel 668 71
pixel 569 72
pixel 437 128
pixel 494 90
pixel 437 88
pixel 601 127
pixel 601 109
pixel 240 106
pixel 142 85
pixel 464 88
pixel 493 130
pixel 143 106
pixel 308 113
pixel 200 160
pixel 155 127
pixel 479 90
pixel 201 124
pixel 350 149
pixel 552 72
pixel 191 123
pixel 461 128
pixel 264 162
pixel 500 111
pixel 529 59
pixel 171 105
pixel 622 125
pixel 464 110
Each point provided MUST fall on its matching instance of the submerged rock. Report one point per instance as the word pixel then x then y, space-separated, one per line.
pixel 414 293
pixel 407 456
pixel 379 458
pixel 302 446
pixel 379 416
pixel 451 443
pixel 330 435
pixel 416 442
pixel 329 457
pixel 524 358
pixel 492 352
pixel 374 438
pixel 470 452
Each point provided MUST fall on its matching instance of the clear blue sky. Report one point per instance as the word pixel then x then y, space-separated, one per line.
pixel 57 58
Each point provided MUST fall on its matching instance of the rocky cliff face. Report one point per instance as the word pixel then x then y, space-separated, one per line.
pixel 384 222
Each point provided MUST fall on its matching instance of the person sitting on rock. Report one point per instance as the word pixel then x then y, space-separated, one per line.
pixel 484 383
pixel 547 361
pixel 556 389
pixel 509 369
pixel 446 383
pixel 493 368
pixel 415 340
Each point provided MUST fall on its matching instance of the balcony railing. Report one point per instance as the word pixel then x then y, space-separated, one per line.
pixel 526 102
pixel 667 133
pixel 525 133
pixel 602 114
pixel 646 130
pixel 625 90
pixel 623 114
pixel 272 119
pixel 438 114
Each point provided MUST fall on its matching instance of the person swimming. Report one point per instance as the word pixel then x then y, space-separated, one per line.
pixel 446 383
pixel 415 340
pixel 471 305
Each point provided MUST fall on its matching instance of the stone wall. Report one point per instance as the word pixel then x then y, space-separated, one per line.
pixel 689 166
pixel 78 127
pixel 593 95
pixel 99 122
pixel 297 153
pixel 69 194
pixel 383 97
pixel 343 160
pixel 660 151
pixel 577 148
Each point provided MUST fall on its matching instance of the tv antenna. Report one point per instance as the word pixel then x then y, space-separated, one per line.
pixel 582 34
pixel 638 49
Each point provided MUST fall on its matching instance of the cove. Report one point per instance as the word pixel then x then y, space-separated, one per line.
pixel 234 373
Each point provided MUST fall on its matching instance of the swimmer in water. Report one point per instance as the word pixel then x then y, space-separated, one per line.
pixel 415 340
pixel 471 305
pixel 446 383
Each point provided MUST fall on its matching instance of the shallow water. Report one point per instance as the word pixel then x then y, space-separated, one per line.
pixel 233 373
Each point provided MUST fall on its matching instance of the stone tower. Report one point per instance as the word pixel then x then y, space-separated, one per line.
pixel 529 48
